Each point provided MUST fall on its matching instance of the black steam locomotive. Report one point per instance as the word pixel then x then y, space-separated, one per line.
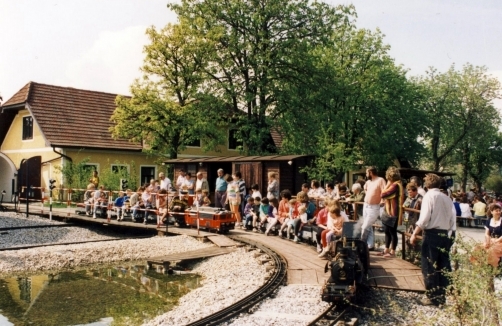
pixel 349 264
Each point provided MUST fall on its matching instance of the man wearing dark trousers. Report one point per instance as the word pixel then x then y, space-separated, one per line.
pixel 220 194
pixel 437 220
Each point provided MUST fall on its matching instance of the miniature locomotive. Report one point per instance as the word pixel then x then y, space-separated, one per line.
pixel 211 219
pixel 349 265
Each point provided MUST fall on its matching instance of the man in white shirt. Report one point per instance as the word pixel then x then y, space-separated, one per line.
pixel 437 221
pixel 165 183
pixel 201 183
pixel 181 180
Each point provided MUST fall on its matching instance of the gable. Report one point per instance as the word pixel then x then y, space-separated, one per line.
pixel 70 117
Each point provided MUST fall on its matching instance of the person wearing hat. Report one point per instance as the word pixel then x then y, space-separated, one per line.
pixel 357 196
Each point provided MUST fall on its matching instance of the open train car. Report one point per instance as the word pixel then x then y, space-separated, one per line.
pixel 348 264
pixel 211 219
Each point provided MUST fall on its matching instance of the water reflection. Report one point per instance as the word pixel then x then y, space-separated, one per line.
pixel 124 295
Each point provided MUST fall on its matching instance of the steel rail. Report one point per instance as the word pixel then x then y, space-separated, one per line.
pixel 244 305
pixel 325 319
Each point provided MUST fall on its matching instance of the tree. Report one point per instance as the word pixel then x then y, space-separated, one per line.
pixel 167 110
pixel 453 101
pixel 258 47
pixel 360 108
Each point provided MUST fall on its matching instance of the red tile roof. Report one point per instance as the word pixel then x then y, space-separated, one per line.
pixel 70 117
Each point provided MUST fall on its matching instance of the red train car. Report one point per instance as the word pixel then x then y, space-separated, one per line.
pixel 211 219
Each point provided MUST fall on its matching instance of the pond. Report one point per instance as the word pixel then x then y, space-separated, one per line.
pixel 120 295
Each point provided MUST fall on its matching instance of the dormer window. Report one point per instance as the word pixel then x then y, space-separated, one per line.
pixel 27 128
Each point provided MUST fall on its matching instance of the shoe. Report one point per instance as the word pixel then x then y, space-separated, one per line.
pixel 389 255
pixel 319 249
pixel 158 225
pixel 255 230
pixel 296 239
pixel 266 234
pixel 144 221
pixel 323 253
pixel 237 224
pixel 94 217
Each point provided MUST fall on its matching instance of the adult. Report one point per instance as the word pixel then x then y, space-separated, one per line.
pixel 357 196
pixel 273 186
pixel 330 191
pixel 437 219
pixel 303 200
pixel 165 182
pixel 413 201
pixel 493 235
pixel 283 210
pixel 373 188
pixel 470 195
pixel 394 197
pixel 417 183
pixel 465 210
pixel 242 189
pixel 233 199
pixel 220 194
pixel 94 178
pixel 189 184
pixel 479 210
pixel 315 190
pixel 180 182
pixel 201 183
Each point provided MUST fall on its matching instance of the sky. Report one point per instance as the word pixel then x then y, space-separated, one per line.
pixel 97 45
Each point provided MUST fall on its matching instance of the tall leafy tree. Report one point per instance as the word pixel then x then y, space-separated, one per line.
pixel 259 46
pixel 168 109
pixel 454 101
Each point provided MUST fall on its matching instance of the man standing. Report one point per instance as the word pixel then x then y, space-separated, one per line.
pixel 373 189
pixel 180 181
pixel 165 183
pixel 220 196
pixel 437 220
pixel 201 183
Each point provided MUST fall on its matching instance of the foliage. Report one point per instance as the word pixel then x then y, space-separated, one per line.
pixel 74 175
pixel 167 112
pixel 111 179
pixel 457 103
pixel 256 51
pixel 494 183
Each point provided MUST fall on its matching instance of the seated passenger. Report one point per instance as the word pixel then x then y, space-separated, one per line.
pixel 322 223
pixel 283 210
pixel 303 199
pixel 261 215
pixel 248 213
pixel 119 205
pixel 88 199
pixel 302 215
pixel 147 200
pixel 316 191
pixel 162 207
pixel 289 221
pixel 178 207
pixel 272 215
pixel 205 198
pixel 136 203
pixel 334 227
pixel 357 197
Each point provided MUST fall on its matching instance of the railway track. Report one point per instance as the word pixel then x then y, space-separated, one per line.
pixel 277 278
pixel 331 316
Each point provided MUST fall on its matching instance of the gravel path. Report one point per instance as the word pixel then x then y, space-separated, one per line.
pixel 12 219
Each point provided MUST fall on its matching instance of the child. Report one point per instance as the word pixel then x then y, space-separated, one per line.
pixel 291 218
pixel 272 215
pixel 255 192
pixel 257 212
pixel 302 214
pixel 334 227
pixel 161 204
pixel 119 206
pixel 198 200
pixel 248 212
pixel 205 198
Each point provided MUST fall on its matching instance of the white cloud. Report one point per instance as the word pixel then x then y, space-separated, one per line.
pixel 111 63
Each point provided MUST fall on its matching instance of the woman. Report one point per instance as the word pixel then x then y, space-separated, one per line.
pixel 272 215
pixel 189 184
pixel 283 210
pixel 273 186
pixel 234 198
pixel 493 235
pixel 394 197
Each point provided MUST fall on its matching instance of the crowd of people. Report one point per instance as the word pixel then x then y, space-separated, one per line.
pixel 431 210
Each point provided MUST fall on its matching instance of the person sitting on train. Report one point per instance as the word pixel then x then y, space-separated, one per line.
pixel 88 199
pixel 302 215
pixel 248 213
pixel 283 210
pixel 135 202
pixel 255 191
pixel 148 202
pixel 322 223
pixel 357 196
pixel 178 206
pixel 119 205
pixel 303 199
pixel 162 207
pixel 289 223
pixel 273 215
pixel 315 191
pixel 336 218
pixel 261 215
pixel 205 198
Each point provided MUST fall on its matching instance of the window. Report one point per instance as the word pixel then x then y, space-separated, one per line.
pixel 233 142
pixel 116 168
pixel 195 143
pixel 147 174
pixel 27 128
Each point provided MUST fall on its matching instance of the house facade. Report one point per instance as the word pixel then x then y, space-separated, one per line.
pixel 42 127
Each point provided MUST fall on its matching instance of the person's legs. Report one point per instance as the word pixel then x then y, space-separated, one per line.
pixel 435 259
pixel 236 210
pixel 370 215
pixel 271 222
pixel 393 244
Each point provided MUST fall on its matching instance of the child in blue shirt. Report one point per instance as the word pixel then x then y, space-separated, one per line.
pixel 248 212
pixel 119 205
